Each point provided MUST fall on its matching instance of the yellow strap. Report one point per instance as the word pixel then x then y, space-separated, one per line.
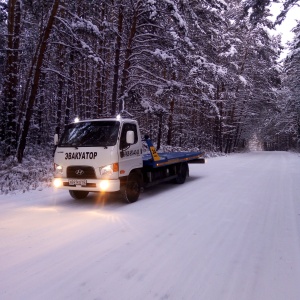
pixel 154 153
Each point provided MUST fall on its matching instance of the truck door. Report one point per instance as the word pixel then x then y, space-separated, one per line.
pixel 130 154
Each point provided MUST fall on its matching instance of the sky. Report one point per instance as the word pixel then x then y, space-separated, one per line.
pixel 288 24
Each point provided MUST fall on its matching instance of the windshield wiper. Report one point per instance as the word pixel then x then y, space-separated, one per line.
pixel 74 145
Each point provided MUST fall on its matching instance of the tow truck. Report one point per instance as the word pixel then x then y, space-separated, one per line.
pixel 106 155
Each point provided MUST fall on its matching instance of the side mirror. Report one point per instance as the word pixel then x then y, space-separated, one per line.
pixel 55 139
pixel 130 137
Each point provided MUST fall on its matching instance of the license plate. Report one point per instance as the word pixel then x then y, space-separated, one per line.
pixel 81 182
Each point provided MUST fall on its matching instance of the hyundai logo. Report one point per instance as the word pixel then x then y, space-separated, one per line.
pixel 79 172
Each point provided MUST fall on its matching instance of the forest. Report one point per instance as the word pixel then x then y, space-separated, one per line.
pixel 195 74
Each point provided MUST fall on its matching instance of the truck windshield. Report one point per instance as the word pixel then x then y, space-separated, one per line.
pixel 90 134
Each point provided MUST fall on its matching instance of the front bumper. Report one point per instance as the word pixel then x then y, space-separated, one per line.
pixel 92 185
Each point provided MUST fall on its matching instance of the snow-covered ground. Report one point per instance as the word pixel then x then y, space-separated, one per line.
pixel 232 231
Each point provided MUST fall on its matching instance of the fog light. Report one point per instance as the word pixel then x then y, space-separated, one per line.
pixel 104 185
pixel 57 182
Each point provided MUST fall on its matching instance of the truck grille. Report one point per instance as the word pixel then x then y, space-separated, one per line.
pixel 81 172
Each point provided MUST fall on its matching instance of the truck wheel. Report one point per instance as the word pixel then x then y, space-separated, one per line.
pixel 182 173
pixel 131 189
pixel 78 194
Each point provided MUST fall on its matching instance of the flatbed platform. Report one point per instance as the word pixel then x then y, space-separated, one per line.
pixel 168 158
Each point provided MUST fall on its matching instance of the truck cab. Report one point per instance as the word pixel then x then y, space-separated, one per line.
pixel 98 156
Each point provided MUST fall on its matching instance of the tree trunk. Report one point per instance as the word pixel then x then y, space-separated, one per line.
pixel 170 123
pixel 36 78
pixel 10 89
pixel 69 100
pixel 127 57
pixel 40 113
pixel 159 135
pixel 117 62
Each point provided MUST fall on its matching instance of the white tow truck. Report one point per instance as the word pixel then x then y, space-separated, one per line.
pixel 106 155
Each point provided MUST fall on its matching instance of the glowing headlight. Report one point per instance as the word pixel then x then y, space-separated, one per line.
pixel 57 182
pixel 104 184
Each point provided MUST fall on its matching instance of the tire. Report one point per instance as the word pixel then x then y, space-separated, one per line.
pixel 182 173
pixel 77 195
pixel 131 189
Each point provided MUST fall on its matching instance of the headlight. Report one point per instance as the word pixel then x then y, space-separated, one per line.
pixel 58 169
pixel 106 171
pixel 109 169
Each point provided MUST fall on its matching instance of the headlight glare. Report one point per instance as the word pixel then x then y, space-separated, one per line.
pixel 104 184
pixel 57 182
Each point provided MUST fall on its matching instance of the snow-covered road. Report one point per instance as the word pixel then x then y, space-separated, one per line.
pixel 232 231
